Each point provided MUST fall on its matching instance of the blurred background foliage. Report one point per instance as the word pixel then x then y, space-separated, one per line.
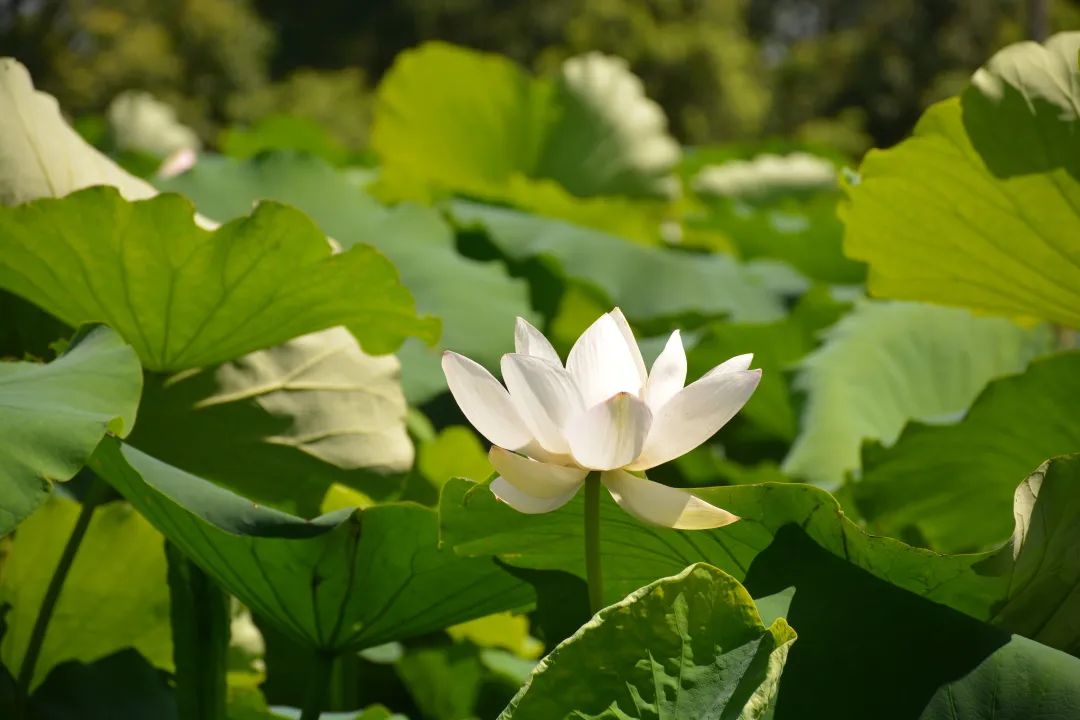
pixel 841 73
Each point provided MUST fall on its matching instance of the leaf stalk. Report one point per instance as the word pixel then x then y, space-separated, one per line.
pixel 593 569
pixel 96 494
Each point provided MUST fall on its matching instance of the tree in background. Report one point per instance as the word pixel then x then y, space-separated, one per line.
pixel 882 63
pixel 847 73
pixel 193 54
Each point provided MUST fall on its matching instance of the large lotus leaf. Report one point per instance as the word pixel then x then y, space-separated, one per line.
pixel 53 416
pixel 979 207
pixel 647 283
pixel 684 647
pixel 352 579
pixel 887 363
pixel 185 297
pixel 872 650
pixel 40 155
pixel 456 119
pixel 417 240
pixel 776 345
pixel 608 137
pixel 459 119
pixel 1037 572
pixel 1020 680
pixel 951 486
pixel 280 425
pixel 114 596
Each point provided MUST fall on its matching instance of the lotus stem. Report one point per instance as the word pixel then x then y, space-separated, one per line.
pixel 593 570
pixel 318 683
pixel 96 494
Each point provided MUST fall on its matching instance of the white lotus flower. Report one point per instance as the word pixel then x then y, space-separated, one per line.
pixel 552 425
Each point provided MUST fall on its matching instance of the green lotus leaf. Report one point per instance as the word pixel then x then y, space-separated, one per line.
pixel 1035 571
pixel 347 580
pixel 54 415
pixel 457 119
pixel 117 580
pixel 281 425
pixel 979 208
pixel 186 297
pixel 684 647
pixel 647 283
pixel 949 487
pixel 417 240
pixel 887 363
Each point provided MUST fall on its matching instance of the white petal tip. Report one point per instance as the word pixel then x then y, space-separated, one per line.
pixel 664 506
pixel 506 493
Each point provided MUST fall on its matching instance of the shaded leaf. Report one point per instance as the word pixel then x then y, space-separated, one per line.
pixel 871 650
pixel 352 579
pixel 280 425
pixel 1038 571
pixel 802 232
pixel 184 297
pixel 689 646
pixel 54 415
pixel 647 283
pixel 117 580
pixel 122 686
pixel 776 346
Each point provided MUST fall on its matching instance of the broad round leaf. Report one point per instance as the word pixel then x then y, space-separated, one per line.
pixel 40 155
pixel 1032 571
pixel 979 208
pixel 351 579
pixel 53 416
pixel 647 283
pixel 887 363
pixel 609 138
pixel 951 486
pixel 281 425
pixel 416 239
pixel 185 297
pixel 114 596
pixel 683 648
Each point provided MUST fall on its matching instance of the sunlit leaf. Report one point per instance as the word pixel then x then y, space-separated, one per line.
pixel 40 155
pixel 979 208
pixel 52 416
pixel 417 240
pixel 185 297
pixel 689 646
pixel 475 123
pixel 887 363
pixel 114 596
pixel 608 137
